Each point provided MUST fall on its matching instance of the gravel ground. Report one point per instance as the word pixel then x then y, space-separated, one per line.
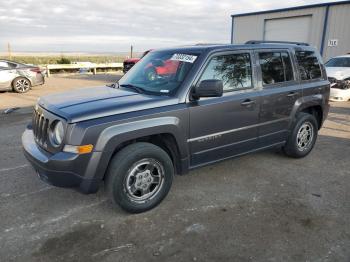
pixel 55 84
pixel 260 207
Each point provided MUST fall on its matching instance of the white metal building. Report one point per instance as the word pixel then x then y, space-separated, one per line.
pixel 325 26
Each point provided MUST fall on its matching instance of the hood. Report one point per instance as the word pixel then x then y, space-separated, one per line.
pixel 90 103
pixel 339 73
pixel 132 60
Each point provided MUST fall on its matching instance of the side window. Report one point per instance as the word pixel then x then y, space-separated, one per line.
pixel 234 70
pixel 12 65
pixel 309 65
pixel 276 67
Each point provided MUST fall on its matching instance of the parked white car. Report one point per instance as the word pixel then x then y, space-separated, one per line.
pixel 338 71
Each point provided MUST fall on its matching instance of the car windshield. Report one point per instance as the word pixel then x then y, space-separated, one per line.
pixel 339 62
pixel 159 72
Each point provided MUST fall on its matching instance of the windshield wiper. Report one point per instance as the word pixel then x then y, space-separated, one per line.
pixel 136 88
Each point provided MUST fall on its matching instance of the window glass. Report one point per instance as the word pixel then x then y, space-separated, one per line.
pixel 234 70
pixel 309 66
pixel 12 65
pixel 339 62
pixel 159 72
pixel 276 67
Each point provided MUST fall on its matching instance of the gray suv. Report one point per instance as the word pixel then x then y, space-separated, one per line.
pixel 176 110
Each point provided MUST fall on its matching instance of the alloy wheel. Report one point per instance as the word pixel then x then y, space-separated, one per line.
pixel 22 85
pixel 305 136
pixel 144 180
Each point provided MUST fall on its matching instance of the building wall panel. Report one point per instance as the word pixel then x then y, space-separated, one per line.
pixel 338 28
pixel 252 27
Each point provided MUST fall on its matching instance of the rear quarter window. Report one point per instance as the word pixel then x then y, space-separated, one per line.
pixel 309 66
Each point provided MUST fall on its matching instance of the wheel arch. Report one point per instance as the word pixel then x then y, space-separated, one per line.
pixel 163 132
pixel 311 105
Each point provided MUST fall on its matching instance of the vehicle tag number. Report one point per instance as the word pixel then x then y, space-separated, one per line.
pixel 184 58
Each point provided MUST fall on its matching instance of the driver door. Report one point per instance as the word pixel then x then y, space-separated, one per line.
pixel 222 127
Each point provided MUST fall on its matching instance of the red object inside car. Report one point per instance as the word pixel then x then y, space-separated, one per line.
pixel 169 67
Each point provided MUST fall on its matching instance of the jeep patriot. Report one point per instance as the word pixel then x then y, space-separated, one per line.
pixel 217 102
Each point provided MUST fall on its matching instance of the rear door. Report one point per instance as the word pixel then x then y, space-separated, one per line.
pixel 222 127
pixel 280 90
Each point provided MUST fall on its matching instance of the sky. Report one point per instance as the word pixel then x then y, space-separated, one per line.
pixel 114 25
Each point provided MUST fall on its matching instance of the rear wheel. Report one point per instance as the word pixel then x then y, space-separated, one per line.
pixel 21 85
pixel 139 177
pixel 303 136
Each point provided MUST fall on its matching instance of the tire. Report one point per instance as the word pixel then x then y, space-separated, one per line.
pixel 130 171
pixel 303 136
pixel 21 85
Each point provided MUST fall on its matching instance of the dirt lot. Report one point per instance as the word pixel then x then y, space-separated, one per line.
pixel 260 207
pixel 55 84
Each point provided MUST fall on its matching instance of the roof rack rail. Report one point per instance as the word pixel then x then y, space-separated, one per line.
pixel 256 42
pixel 204 44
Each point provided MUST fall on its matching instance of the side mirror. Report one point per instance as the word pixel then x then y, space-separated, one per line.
pixel 209 88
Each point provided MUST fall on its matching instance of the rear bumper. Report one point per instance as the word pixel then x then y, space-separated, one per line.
pixel 39 79
pixel 56 169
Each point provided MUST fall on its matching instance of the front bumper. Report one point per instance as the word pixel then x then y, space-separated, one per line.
pixel 57 169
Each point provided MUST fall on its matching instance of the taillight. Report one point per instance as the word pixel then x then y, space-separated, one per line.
pixel 36 70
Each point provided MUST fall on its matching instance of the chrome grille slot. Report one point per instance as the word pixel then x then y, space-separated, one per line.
pixel 40 128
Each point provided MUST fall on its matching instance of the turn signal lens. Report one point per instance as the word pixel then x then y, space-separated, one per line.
pixel 84 149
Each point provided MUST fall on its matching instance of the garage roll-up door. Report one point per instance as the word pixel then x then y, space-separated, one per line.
pixel 296 29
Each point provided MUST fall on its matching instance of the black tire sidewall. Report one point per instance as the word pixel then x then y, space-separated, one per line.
pixel 291 147
pixel 119 167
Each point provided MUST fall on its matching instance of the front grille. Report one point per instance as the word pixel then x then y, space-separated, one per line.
pixel 40 128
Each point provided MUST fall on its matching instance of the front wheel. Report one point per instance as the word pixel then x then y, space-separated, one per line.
pixel 139 177
pixel 303 136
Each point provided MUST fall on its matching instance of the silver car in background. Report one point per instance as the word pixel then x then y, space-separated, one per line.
pixel 19 77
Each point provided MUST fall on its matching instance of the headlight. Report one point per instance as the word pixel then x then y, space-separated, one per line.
pixel 57 134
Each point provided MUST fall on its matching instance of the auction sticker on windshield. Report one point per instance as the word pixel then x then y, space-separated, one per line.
pixel 184 58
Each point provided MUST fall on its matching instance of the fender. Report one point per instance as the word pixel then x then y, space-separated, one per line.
pixel 305 102
pixel 113 136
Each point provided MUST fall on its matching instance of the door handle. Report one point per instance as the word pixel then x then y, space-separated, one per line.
pixel 292 94
pixel 247 102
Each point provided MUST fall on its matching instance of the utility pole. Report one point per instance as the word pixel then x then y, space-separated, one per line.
pixel 131 49
pixel 9 51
